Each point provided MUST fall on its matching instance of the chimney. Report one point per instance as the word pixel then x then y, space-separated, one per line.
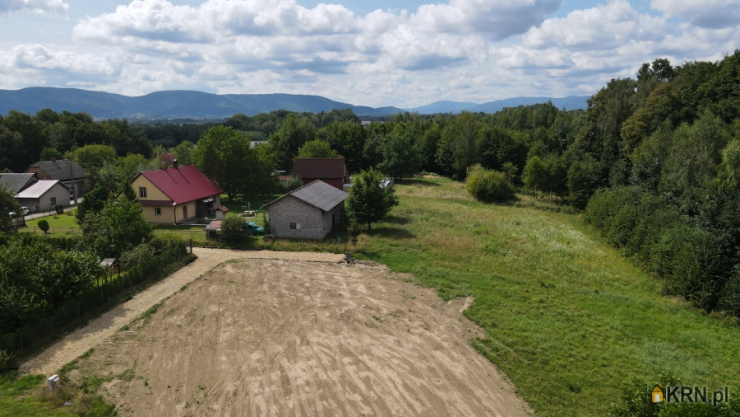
pixel 175 164
pixel 53 159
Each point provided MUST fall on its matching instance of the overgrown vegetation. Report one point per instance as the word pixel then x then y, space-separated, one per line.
pixel 566 317
pixel 488 185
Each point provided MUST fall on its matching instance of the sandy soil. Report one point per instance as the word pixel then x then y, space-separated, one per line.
pixel 291 338
pixel 78 342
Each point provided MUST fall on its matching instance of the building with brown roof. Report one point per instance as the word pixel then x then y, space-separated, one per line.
pixel 332 171
pixel 69 173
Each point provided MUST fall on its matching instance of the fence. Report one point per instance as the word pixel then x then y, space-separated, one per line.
pixel 108 292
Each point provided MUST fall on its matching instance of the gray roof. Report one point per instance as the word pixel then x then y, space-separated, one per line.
pixel 39 189
pixel 61 169
pixel 318 194
pixel 17 182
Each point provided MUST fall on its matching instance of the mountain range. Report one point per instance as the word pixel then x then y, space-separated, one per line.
pixel 199 105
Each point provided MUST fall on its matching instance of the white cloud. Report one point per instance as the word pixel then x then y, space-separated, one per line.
pixel 41 58
pixel 712 14
pixel 52 7
pixel 473 50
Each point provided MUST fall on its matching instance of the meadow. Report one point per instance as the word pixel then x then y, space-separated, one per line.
pixel 566 316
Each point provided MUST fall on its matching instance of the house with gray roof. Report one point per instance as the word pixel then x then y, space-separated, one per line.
pixel 69 173
pixel 44 195
pixel 309 212
pixel 16 183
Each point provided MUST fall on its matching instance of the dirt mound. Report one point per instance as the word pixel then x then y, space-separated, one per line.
pixel 278 337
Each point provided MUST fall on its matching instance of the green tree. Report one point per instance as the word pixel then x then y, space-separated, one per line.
pixel 289 137
pixel 116 229
pixel 184 153
pixel 510 170
pixel 535 174
pixel 317 149
pixel 400 155
pixel 223 154
pixel 348 139
pixel 94 202
pixel 7 204
pixel 368 202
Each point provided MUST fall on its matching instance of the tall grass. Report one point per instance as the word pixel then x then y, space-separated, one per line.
pixel 566 317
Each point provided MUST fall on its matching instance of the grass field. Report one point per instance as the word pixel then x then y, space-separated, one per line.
pixel 567 318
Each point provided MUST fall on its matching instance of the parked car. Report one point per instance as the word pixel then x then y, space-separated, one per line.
pixel 253 229
pixel 24 210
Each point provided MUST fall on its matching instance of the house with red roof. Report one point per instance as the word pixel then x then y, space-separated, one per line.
pixel 332 171
pixel 176 195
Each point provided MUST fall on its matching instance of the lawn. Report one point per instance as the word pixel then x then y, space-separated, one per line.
pixel 63 224
pixel 567 318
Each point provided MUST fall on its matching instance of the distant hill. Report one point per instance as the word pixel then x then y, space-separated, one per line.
pixel 569 103
pixel 199 105
pixel 170 104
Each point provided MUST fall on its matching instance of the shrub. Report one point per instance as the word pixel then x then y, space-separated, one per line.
pixel 138 255
pixel 232 229
pixel 489 186
pixel 44 226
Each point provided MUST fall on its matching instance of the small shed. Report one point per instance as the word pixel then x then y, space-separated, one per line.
pixel 221 212
pixel 309 212
pixel 212 229
pixel 45 195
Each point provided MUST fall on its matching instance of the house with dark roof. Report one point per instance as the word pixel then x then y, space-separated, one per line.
pixel 70 173
pixel 16 183
pixel 44 195
pixel 309 212
pixel 332 171
pixel 176 195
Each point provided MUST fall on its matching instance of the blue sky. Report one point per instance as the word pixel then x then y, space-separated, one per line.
pixel 403 52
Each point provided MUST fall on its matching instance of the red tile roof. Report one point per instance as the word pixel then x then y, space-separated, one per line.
pixel 319 168
pixel 183 184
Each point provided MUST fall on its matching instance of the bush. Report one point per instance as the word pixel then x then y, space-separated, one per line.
pixel 489 186
pixel 232 229
pixel 44 226
pixel 284 187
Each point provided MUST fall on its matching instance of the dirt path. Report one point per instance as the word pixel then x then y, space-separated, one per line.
pixel 98 330
pixel 289 338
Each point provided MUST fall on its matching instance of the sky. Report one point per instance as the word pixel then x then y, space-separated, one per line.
pixel 403 53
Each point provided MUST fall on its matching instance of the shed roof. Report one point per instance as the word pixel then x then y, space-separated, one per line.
pixel 319 167
pixel 318 194
pixel 39 189
pixel 183 184
pixel 17 182
pixel 62 169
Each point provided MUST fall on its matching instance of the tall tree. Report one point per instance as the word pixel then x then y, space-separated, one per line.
pixel 317 149
pixel 368 201
pixel 401 155
pixel 291 135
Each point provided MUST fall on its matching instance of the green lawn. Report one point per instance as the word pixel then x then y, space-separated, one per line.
pixel 567 318
pixel 63 224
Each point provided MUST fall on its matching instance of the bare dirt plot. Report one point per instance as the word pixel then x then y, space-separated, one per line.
pixel 78 342
pixel 277 337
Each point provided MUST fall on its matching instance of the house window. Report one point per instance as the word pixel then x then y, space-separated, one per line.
pixel 142 192
pixel 53 201
pixel 157 211
pixel 295 226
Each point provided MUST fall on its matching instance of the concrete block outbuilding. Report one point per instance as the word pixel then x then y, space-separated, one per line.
pixel 309 212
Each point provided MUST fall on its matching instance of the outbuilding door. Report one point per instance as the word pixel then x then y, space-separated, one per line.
pixel 184 212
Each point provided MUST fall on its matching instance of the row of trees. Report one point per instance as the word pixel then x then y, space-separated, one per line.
pixel 26 139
